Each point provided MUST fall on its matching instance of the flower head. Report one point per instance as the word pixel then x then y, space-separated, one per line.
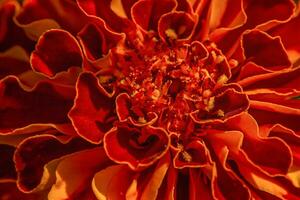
pixel 148 99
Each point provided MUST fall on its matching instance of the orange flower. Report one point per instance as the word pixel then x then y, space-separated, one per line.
pixel 148 99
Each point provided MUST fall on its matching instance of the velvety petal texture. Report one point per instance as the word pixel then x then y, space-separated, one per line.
pixel 149 100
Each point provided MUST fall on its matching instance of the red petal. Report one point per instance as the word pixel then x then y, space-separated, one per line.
pixel 11 34
pixel 227 14
pixel 62 11
pixel 262 11
pixel 230 102
pixel 125 110
pixel 262 151
pixel 225 183
pixel 199 189
pixel 184 5
pixel 198 155
pixel 7 169
pixel 13 62
pixel 112 182
pixel 44 104
pixel 288 136
pixel 287 99
pixel 92 113
pixel 270 113
pixel 271 154
pixel 281 81
pixel 97 40
pixel 35 152
pixel 146 13
pixel 265 185
pixel 265 51
pixel 69 174
pixel 103 9
pixel 290 37
pixel 138 148
pixel 175 25
pixel 258 12
pixel 250 69
pixel 56 51
pixel 9 191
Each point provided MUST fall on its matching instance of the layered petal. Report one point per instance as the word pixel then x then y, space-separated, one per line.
pixel 56 51
pixel 46 103
pixel 70 181
pixel 137 147
pixel 38 16
pixel 111 12
pixel 146 13
pixel 92 114
pixel 265 51
pixel 36 156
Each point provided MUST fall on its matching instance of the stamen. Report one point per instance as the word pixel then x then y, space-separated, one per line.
pixel 186 156
pixel 219 59
pixel 155 94
pixel 222 79
pixel 171 34
pixel 220 113
pixel 233 63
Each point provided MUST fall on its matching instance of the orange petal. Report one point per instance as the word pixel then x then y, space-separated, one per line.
pixel 70 181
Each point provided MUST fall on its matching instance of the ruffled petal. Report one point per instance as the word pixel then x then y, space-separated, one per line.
pixel 195 154
pixel 97 40
pixel 146 13
pixel 270 154
pixel 46 103
pixel 7 169
pixel 176 26
pixel 280 81
pixel 126 111
pixel 56 51
pixel 111 12
pixel 137 147
pixel 38 16
pixel 265 51
pixel 11 34
pixel 228 14
pixel 36 156
pixel 225 183
pixel 14 61
pixel 289 36
pixel 118 182
pixel 225 105
pixel 70 181
pixel 9 191
pixel 258 12
pixel 92 113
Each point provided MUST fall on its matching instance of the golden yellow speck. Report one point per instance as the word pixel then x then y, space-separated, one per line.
pixel 206 93
pixel 222 79
pixel 186 156
pixel 219 59
pixel 220 113
pixel 171 34
pixel 155 94
pixel 211 103
pixel 142 120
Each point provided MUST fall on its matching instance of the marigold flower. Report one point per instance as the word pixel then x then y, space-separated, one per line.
pixel 149 99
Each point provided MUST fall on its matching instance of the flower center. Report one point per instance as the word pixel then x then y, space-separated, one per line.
pixel 174 79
